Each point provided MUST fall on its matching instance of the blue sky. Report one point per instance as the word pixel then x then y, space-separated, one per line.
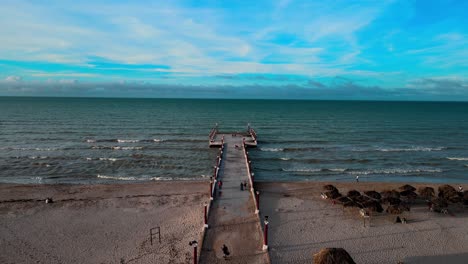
pixel 404 50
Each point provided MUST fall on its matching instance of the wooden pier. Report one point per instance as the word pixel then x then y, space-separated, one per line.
pixel 233 218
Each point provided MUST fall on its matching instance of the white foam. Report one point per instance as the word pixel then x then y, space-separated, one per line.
pixel 302 170
pixel 126 148
pixel 91 141
pixel 89 159
pixel 161 179
pixel 411 149
pixel 337 169
pixel 285 158
pixel 271 149
pixel 394 171
pixel 157 140
pixel 116 178
pixel 128 140
pixel 109 159
pixel 463 159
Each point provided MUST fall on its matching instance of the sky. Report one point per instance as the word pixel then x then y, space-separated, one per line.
pixel 289 49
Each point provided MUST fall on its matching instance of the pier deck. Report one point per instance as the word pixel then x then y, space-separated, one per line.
pixel 232 220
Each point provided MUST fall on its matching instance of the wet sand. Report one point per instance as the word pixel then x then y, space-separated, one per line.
pixel 301 223
pixel 100 223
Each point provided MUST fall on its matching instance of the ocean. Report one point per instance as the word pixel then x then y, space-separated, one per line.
pixel 90 140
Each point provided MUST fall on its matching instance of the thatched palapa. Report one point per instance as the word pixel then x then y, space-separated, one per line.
pixel 373 194
pixel 373 206
pixel 329 187
pixel 390 194
pixel 353 193
pixel 333 194
pixel 333 256
pixel 426 192
pixel 407 187
pixel 409 194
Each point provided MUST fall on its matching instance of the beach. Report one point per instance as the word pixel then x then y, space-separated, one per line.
pixel 301 223
pixel 107 223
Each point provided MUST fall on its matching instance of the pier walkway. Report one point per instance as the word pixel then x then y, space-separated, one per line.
pixel 232 220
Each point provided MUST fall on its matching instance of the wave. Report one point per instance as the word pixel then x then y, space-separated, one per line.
pixel 121 178
pixel 365 172
pixel 410 149
pixel 117 140
pixel 117 148
pixel 36 149
pixel 285 158
pixel 109 159
pixel 271 149
pixel 128 140
pixel 394 171
pixel 463 159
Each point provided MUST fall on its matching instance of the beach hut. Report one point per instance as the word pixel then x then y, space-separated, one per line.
pixel 373 195
pixel 373 206
pixel 407 187
pixel 343 200
pixel 333 194
pixel 426 192
pixel 447 191
pixel 390 194
pixel 408 194
pixel 329 187
pixel 396 209
pixel 391 201
pixel 332 256
pixel 353 193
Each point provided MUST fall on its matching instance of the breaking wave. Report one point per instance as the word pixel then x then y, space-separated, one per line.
pixel 462 159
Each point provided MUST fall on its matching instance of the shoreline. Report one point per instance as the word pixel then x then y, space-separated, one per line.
pixel 109 223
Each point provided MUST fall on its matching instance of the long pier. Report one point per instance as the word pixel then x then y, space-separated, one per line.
pixel 233 217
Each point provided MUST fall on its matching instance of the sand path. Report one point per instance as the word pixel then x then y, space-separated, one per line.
pixel 232 220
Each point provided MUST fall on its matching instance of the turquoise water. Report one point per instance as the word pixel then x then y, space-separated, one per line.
pixel 77 140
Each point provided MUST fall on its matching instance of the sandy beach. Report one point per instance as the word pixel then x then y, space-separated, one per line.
pixel 301 223
pixel 100 223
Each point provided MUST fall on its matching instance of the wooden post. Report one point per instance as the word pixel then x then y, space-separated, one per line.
pixel 265 234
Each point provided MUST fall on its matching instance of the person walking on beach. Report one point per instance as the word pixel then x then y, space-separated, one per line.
pixel 460 188
pixel 357 178
pixel 225 250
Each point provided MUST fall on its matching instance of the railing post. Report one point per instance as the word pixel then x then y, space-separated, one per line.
pixel 257 196
pixel 206 215
pixel 265 234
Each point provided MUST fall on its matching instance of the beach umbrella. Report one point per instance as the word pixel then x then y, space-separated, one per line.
pixel 391 201
pixel 407 187
pixel 439 202
pixel 426 192
pixel 332 256
pixel 373 206
pixel 390 194
pixel 333 194
pixel 360 199
pixel 373 194
pixel 343 199
pixel 409 194
pixel 353 193
pixel 394 209
pixel 350 204
pixel 329 187
pixel 447 192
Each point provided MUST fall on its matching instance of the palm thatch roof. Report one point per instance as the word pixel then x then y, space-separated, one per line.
pixel 439 202
pixel 373 206
pixel 343 199
pixel 334 194
pixel 373 194
pixel 390 194
pixel 333 256
pixel 360 199
pixel 353 193
pixel 409 194
pixel 449 193
pixel 391 201
pixel 329 187
pixel 426 192
pixel 407 187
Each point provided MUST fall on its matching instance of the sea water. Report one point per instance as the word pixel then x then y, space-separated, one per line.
pixel 89 140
